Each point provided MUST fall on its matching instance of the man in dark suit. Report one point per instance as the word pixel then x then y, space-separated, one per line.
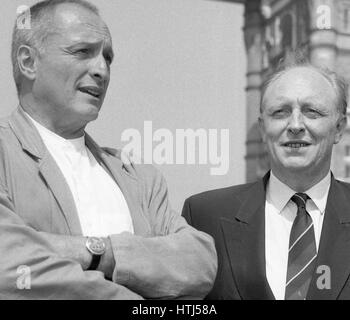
pixel 287 235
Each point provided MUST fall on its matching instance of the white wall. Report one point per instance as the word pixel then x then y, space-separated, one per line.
pixel 180 64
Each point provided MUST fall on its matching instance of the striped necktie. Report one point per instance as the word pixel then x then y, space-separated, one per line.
pixel 302 252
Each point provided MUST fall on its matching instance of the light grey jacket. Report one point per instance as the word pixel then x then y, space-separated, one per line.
pixel 165 258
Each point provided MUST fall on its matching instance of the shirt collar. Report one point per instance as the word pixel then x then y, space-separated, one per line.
pixel 52 138
pixel 279 193
pixel 319 192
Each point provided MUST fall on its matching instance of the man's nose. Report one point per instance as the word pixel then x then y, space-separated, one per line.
pixel 296 123
pixel 99 68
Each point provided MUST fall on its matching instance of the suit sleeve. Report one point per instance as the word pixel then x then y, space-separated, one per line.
pixel 177 261
pixel 30 268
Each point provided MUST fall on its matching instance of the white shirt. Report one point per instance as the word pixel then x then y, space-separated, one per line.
pixel 280 213
pixel 101 206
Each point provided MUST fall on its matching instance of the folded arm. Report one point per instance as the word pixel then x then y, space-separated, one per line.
pixel 50 276
pixel 176 261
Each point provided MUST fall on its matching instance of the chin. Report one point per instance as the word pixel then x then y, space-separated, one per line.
pixel 92 116
pixel 90 112
pixel 297 167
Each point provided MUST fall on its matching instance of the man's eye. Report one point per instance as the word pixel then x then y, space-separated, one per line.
pixel 279 113
pixel 313 113
pixel 82 51
pixel 108 60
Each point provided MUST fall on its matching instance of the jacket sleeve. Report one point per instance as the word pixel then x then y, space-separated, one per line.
pixel 186 212
pixel 176 261
pixel 30 268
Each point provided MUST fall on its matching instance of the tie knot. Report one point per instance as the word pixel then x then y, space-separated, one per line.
pixel 300 199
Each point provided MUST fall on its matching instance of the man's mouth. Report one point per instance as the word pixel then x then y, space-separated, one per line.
pixel 296 144
pixel 96 92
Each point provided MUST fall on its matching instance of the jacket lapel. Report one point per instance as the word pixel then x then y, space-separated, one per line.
pixel 60 189
pixel 128 184
pixel 244 237
pixel 334 250
pixel 31 143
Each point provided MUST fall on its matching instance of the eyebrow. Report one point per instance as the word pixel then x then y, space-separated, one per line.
pixel 107 48
pixel 86 43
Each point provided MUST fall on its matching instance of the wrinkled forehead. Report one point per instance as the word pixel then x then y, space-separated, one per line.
pixel 78 22
pixel 302 82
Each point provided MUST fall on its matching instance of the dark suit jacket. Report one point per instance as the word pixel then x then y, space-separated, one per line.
pixel 235 217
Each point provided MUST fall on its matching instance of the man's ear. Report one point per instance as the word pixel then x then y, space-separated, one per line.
pixel 26 58
pixel 341 125
pixel 261 127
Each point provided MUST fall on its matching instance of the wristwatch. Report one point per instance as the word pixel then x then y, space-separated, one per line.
pixel 97 248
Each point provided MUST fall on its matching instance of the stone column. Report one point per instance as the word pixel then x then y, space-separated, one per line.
pixel 323 52
pixel 253 42
pixel 323 36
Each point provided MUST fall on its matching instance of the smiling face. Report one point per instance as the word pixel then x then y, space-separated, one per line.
pixel 300 122
pixel 72 75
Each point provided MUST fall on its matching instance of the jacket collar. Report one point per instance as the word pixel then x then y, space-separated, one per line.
pixel 248 209
pixel 244 238
pixel 27 134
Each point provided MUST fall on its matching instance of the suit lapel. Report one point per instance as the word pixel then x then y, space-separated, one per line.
pixel 31 143
pixel 61 191
pixel 334 249
pixel 244 237
pixel 127 183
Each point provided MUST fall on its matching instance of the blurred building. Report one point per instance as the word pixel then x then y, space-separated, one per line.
pixel 272 30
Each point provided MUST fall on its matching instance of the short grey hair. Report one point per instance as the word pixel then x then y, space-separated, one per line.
pixel 40 27
pixel 339 84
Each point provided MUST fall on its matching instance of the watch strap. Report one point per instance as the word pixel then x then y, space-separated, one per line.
pixel 96 246
pixel 94 262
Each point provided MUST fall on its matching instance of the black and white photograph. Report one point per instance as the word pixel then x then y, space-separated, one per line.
pixel 193 150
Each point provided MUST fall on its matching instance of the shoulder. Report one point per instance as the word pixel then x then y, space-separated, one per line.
pixel 5 128
pixel 7 136
pixel 4 122
pixel 205 209
pixel 343 184
pixel 229 194
pixel 135 167
pixel 340 190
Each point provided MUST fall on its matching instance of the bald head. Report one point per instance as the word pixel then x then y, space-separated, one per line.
pixel 41 26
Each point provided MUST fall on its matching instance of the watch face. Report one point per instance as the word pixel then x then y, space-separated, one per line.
pixel 96 245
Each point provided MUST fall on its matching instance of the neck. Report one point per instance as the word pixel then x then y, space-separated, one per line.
pixel 48 119
pixel 300 181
